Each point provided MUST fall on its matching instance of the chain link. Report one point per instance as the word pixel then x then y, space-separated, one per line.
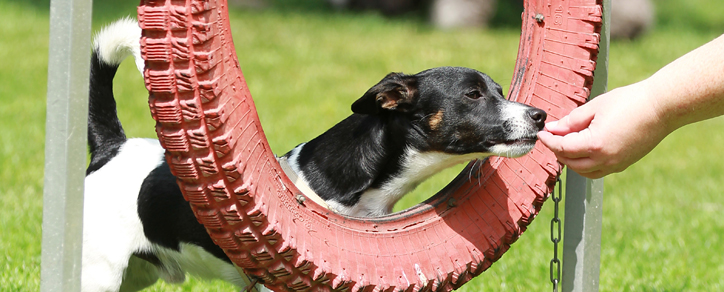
pixel 555 265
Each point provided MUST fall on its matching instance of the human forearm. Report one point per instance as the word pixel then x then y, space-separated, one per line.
pixel 691 88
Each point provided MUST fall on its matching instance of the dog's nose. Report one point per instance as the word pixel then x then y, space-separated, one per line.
pixel 539 117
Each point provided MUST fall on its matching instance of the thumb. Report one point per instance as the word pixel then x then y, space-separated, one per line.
pixel 579 119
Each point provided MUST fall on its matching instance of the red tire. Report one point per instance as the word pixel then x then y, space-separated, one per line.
pixel 215 146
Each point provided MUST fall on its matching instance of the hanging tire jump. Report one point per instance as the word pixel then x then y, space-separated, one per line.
pixel 207 122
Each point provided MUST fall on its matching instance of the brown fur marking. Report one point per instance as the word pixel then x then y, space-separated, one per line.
pixel 435 120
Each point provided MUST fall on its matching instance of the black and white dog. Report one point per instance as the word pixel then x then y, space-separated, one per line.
pixel 138 228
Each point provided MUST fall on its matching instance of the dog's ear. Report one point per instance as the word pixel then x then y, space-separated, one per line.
pixel 396 92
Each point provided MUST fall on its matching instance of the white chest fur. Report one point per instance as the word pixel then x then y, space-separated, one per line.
pixel 416 168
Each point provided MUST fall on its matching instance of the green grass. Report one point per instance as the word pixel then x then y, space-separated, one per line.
pixel 662 228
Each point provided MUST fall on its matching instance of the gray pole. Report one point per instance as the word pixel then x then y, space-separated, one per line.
pixel 65 144
pixel 584 201
pixel 582 233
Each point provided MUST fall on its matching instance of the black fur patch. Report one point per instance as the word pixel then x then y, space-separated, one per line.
pixel 167 217
pixel 105 133
pixel 358 153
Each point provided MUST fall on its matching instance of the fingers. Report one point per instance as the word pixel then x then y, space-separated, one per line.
pixel 585 166
pixel 582 166
pixel 574 150
pixel 572 145
pixel 572 141
pixel 579 119
pixel 592 175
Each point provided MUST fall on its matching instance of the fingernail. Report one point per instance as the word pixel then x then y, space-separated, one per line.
pixel 550 125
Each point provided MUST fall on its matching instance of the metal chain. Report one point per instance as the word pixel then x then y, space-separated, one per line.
pixel 555 266
pixel 252 285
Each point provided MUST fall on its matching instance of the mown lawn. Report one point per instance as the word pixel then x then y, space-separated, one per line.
pixel 305 64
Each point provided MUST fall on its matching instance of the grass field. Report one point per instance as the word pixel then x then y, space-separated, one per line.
pixel 305 64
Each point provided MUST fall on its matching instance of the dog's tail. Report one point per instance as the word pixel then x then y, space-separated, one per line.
pixel 112 45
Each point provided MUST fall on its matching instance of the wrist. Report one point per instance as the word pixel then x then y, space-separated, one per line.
pixel 665 113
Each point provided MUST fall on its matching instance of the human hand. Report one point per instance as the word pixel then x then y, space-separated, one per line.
pixel 618 128
pixel 607 134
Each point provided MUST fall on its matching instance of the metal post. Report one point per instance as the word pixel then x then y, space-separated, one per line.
pixel 584 201
pixel 65 144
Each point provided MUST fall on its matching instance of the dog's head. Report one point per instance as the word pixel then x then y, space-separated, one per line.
pixel 455 110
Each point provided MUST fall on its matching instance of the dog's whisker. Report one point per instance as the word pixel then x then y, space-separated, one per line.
pixel 453 141
pixel 424 117
pixel 478 165
pixel 472 169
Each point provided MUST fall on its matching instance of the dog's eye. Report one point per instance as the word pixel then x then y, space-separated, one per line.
pixel 475 94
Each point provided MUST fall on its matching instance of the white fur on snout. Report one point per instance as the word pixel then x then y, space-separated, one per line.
pixel 518 122
pixel 416 167
pixel 516 115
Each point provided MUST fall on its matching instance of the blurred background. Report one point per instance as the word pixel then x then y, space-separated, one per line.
pixel 631 18
pixel 306 61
